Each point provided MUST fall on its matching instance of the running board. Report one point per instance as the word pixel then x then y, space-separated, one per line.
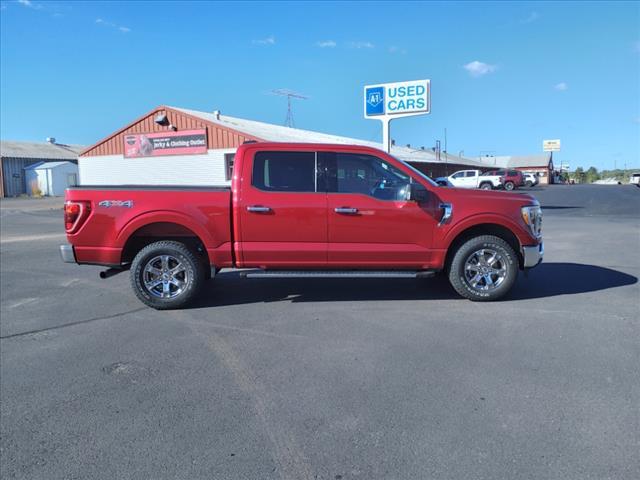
pixel 337 274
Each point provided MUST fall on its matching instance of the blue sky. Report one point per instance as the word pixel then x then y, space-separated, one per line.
pixel 504 76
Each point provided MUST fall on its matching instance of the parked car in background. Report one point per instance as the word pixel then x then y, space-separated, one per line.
pixel 298 210
pixel 443 182
pixel 634 179
pixel 512 179
pixel 530 179
pixel 475 179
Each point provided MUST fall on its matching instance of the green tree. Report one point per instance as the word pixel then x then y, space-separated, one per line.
pixel 579 175
pixel 592 175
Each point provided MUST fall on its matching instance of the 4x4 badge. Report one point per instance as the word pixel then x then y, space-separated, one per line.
pixel 116 203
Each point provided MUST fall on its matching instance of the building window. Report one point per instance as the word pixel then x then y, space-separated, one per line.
pixel 228 166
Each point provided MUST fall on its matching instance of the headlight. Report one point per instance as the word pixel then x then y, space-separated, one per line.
pixel 532 217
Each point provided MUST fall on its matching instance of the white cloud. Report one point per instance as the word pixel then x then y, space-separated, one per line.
pixel 533 16
pixel 326 44
pixel 478 69
pixel 105 23
pixel 30 4
pixel 561 87
pixel 394 49
pixel 270 40
pixel 361 45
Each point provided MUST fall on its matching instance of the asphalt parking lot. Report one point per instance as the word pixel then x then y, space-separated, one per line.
pixel 327 379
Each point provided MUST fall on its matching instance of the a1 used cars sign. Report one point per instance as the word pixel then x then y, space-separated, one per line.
pixel 185 142
pixel 397 99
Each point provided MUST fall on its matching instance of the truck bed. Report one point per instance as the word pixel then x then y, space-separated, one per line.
pixel 120 215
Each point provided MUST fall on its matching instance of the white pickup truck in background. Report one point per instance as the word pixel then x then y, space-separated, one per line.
pixel 475 179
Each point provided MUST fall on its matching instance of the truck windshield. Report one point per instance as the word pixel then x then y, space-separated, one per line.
pixel 417 172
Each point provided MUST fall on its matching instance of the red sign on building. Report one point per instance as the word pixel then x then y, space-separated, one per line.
pixel 185 142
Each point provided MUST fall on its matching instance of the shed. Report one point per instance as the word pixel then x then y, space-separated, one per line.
pixel 50 178
pixel 15 156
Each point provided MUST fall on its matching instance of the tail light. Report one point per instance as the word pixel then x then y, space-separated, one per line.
pixel 75 214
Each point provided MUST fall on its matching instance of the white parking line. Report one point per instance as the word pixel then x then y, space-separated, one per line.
pixel 24 301
pixel 32 238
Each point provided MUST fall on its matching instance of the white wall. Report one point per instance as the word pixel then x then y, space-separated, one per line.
pixel 58 178
pixel 207 169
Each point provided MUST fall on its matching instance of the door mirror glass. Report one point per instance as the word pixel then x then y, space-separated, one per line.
pixel 418 193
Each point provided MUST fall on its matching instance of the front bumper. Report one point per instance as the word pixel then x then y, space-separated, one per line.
pixel 532 256
pixel 67 254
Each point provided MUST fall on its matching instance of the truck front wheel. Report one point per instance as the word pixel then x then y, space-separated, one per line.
pixel 509 186
pixel 484 268
pixel 166 275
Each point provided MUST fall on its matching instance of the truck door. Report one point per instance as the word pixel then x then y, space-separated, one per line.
pixel 283 215
pixel 370 221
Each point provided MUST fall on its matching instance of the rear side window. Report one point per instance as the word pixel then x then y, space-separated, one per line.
pixel 513 173
pixel 470 173
pixel 285 171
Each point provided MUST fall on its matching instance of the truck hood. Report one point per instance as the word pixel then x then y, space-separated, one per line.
pixel 497 200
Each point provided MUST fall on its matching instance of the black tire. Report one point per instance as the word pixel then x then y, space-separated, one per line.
pixel 458 273
pixel 528 184
pixel 191 276
pixel 509 186
pixel 486 186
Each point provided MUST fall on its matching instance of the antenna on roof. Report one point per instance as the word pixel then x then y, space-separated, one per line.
pixel 285 92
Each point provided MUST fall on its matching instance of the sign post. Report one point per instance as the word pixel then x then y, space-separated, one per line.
pixel 387 101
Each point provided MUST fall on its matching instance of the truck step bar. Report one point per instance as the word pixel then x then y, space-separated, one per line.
pixel 337 273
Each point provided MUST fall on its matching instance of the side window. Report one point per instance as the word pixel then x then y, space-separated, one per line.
pixel 458 175
pixel 284 171
pixel 471 173
pixel 369 175
pixel 228 166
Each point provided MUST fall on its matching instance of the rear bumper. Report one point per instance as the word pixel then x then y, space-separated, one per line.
pixel 67 254
pixel 532 255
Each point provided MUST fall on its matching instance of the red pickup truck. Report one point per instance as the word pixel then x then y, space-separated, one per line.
pixel 304 210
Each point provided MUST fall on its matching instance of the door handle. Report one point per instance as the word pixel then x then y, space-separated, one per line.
pixel 346 210
pixel 258 209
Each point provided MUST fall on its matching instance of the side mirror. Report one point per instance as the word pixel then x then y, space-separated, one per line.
pixel 418 193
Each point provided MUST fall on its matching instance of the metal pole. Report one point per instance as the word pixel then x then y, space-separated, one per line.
pixel 386 139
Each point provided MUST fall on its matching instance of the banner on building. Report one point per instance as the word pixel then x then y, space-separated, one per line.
pixel 186 142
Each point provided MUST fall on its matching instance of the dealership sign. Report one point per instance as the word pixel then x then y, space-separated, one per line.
pixel 387 101
pixel 186 142
pixel 397 99
pixel 551 145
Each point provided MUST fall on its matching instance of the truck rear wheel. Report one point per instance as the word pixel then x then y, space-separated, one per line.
pixel 484 268
pixel 486 186
pixel 166 275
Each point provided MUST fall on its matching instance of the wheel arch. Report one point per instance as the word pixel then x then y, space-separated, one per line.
pixel 495 229
pixel 147 229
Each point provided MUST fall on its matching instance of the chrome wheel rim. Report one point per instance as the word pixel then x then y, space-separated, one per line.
pixel 485 270
pixel 165 276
